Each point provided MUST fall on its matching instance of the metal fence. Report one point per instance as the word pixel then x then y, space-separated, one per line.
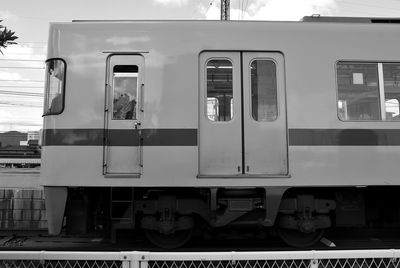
pixel 137 259
pixel 44 259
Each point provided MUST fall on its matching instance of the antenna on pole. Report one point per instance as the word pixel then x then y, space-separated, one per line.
pixel 225 9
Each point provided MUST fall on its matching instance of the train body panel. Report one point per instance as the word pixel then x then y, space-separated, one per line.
pixel 310 86
pixel 314 168
pixel 193 114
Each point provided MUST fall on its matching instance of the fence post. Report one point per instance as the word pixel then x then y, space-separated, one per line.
pixel 314 263
pixel 136 260
pixel 144 264
pixel 126 263
pixel 126 260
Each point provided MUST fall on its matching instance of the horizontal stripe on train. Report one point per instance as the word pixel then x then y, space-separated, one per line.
pixel 120 137
pixel 188 137
pixel 344 137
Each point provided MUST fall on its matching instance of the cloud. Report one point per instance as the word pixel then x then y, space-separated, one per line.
pixel 7 15
pixel 172 2
pixel 23 57
pixel 24 52
pixel 20 119
pixel 291 10
pixel 288 9
pixel 10 75
pixel 20 112
pixel 213 13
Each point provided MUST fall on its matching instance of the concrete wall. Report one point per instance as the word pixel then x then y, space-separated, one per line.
pixel 22 209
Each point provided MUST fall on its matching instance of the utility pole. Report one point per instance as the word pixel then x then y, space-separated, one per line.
pixel 225 9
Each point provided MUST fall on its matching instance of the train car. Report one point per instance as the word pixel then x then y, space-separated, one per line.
pixel 180 128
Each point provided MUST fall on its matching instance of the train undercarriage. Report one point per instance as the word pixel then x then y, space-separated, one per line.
pixel 171 217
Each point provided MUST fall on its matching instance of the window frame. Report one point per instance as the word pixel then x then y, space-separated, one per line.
pixel 46 111
pixel 381 89
pixel 276 90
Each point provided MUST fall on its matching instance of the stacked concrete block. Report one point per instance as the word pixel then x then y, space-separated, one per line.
pixel 22 209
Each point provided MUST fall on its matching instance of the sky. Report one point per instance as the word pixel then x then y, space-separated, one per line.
pixel 22 65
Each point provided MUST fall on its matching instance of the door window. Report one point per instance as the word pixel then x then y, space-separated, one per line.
pixel 219 90
pixel 125 89
pixel 263 90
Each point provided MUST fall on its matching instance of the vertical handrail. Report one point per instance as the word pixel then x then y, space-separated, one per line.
pixel 140 147
pixel 142 98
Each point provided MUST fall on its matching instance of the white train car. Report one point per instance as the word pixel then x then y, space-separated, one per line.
pixel 173 126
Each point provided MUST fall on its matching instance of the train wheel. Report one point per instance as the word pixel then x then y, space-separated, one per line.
pixel 169 241
pixel 299 239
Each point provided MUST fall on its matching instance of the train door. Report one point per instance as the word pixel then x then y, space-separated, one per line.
pixel 123 114
pixel 220 118
pixel 265 141
pixel 242 114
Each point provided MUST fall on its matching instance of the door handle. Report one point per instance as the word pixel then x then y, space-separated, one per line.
pixel 140 151
pixel 140 143
pixel 142 98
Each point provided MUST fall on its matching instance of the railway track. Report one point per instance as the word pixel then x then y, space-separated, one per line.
pixel 127 241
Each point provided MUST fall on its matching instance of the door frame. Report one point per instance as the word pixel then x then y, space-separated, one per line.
pixel 283 112
pixel 132 125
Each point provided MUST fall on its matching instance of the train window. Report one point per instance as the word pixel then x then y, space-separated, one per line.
pixel 125 90
pixel 358 91
pixel 54 88
pixel 219 90
pixel 369 91
pixel 263 90
pixel 391 76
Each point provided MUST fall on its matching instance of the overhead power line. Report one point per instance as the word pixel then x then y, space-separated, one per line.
pixel 34 68
pixel 21 93
pixel 19 105
pixel 32 42
pixel 245 8
pixel 20 87
pixel 20 60
pixel 22 81
pixel 19 53
pixel 241 9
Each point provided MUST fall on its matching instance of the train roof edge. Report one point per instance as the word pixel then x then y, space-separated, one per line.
pixel 312 18
pixel 333 19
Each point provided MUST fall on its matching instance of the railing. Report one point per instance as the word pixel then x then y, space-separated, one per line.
pixel 26 259
pixel 137 259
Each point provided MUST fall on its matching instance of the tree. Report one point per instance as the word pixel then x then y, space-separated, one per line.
pixel 7 37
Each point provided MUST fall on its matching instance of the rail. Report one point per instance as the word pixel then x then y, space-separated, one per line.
pixel 136 259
